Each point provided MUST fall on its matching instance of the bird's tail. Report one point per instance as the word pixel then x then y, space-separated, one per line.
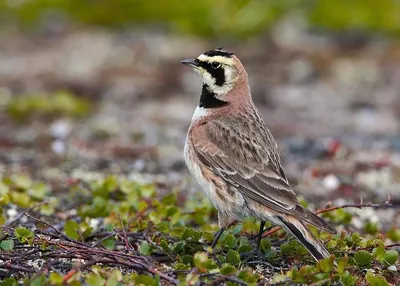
pixel 304 235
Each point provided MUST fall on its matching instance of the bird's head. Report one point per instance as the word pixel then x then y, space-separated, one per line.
pixel 220 71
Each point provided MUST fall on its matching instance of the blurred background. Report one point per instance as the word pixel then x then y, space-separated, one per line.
pixel 95 87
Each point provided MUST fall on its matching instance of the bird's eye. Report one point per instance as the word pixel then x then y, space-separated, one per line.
pixel 215 65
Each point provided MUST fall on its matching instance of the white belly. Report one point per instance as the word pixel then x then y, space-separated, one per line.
pixel 207 187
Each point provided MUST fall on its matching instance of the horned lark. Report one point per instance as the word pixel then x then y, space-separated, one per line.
pixel 235 159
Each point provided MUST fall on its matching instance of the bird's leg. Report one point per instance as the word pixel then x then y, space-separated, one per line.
pixel 217 236
pixel 256 252
pixel 260 233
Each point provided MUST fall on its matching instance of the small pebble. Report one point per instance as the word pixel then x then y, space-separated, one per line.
pixel 392 268
pixel 58 147
pixel 12 214
pixel 331 182
pixel 94 223
pixel 60 129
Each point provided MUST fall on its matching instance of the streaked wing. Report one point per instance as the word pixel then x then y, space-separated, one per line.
pixel 250 161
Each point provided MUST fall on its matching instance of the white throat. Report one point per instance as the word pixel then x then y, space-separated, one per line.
pixel 200 112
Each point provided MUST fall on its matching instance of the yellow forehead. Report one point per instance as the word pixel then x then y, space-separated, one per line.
pixel 219 59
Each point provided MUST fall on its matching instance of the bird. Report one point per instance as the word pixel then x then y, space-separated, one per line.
pixel 235 159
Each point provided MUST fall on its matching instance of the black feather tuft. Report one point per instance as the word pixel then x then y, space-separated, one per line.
pixel 218 52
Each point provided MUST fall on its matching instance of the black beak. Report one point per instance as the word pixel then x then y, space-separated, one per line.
pixel 194 63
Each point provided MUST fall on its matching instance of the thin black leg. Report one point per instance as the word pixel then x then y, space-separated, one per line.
pixel 260 233
pixel 217 236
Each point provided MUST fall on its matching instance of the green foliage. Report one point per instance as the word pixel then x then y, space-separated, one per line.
pixel 170 227
pixel 145 248
pixel 347 279
pixel 203 263
pixel 228 269
pixel 233 257
pixel 371 228
pixel 23 234
pixel 375 280
pixel 363 259
pixel 355 14
pixel 24 191
pixel 339 216
pixel 70 229
pixel 93 279
pixel 293 247
pixel 325 265
pixel 209 18
pixel 24 107
pixel 55 278
pixel 394 234
pixel 391 256
pixel 7 245
pixel 387 257
pixel 9 282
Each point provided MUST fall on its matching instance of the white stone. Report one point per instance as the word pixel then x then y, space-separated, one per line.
pixel 331 182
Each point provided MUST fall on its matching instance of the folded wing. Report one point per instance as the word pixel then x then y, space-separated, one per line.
pixel 250 162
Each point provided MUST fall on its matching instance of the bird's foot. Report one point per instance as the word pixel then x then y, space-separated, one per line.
pixel 255 254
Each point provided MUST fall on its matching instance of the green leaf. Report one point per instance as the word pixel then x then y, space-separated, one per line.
pixel 379 253
pixel 233 257
pixel 23 234
pixel 93 279
pixel 371 227
pixel 341 216
pixel 293 247
pixel 179 246
pixel 203 263
pixel 9 282
pixel 394 234
pixel 145 248
pixel 229 241
pixel 326 264
pixel 199 258
pixel 20 199
pixel 21 181
pixel 244 245
pixel 3 188
pixel 70 229
pixel 244 248
pixel 190 234
pixel 7 245
pixel 164 245
pixel 112 281
pixel 363 259
pixel 375 280
pixel 228 269
pixel 210 264
pixel 182 266
pixel 145 280
pixel 188 259
pixel 347 279
pixel 39 190
pixel 221 258
pixel 342 264
pixel 248 276
pixel 265 245
pixel 391 256
pixel 37 281
pixel 109 243
pixel 55 278
pixel 4 199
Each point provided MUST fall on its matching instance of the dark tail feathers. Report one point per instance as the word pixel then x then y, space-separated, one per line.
pixel 301 232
